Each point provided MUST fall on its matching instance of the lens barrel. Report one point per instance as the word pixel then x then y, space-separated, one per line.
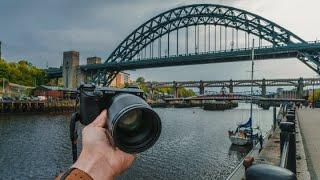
pixel 133 124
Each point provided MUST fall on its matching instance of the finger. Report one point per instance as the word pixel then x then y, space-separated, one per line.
pixel 110 139
pixel 101 120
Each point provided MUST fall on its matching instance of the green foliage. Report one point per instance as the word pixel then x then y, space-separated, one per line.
pixel 164 90
pixel 140 80
pixel 182 92
pixel 316 95
pixel 141 83
pixel 23 73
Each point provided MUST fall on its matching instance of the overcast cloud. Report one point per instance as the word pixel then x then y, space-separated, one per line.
pixel 40 30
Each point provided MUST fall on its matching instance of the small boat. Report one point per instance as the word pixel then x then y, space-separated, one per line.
pixel 244 134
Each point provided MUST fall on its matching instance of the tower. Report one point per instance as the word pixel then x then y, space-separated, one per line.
pixel 70 69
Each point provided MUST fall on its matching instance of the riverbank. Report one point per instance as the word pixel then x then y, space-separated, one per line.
pixel 9 107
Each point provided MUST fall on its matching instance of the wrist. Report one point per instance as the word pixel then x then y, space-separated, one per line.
pixel 95 165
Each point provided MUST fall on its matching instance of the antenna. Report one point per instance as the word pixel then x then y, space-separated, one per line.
pixel 0 49
pixel 252 71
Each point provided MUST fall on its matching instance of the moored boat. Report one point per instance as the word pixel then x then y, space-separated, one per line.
pixel 244 134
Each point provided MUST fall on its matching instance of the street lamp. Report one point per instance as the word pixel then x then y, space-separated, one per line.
pixel 3 89
pixel 313 100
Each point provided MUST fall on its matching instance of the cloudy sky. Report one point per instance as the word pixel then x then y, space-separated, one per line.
pixel 40 30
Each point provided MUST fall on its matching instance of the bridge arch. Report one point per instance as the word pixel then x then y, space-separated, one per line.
pixel 200 14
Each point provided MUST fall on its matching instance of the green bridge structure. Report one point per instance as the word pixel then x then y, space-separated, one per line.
pixel 172 38
pixel 298 83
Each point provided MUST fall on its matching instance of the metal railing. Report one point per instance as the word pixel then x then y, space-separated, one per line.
pixel 287 166
pixel 284 155
pixel 288 142
pixel 288 46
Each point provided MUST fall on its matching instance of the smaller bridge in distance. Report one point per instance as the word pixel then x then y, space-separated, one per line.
pixel 299 83
pixel 235 97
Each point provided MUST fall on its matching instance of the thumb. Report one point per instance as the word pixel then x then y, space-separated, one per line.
pixel 101 120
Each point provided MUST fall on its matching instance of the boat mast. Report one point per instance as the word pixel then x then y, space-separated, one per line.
pixel 252 66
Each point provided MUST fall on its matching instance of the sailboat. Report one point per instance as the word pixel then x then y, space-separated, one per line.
pixel 244 134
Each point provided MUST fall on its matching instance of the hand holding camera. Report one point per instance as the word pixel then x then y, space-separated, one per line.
pixel 99 158
pixel 132 123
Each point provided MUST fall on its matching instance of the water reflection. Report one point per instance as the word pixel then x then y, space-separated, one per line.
pixel 239 151
pixel 193 145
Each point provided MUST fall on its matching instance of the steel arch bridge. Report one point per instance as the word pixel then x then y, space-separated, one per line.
pixel 144 48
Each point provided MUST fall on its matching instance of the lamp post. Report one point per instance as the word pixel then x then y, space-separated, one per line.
pixel 0 50
pixel 313 100
pixel 3 89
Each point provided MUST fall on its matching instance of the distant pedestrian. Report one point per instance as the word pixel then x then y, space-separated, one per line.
pixel 261 141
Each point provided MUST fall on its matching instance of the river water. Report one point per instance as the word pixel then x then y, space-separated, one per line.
pixel 193 145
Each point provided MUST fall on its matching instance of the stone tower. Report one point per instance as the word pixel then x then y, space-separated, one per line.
pixel 70 69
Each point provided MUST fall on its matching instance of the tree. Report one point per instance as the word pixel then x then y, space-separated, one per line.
pixel 140 80
pixel 316 95
pixel 23 73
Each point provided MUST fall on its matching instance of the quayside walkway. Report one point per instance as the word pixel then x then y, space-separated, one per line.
pixel 310 128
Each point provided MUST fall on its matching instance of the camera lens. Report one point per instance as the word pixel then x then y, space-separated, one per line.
pixel 131 121
pixel 135 126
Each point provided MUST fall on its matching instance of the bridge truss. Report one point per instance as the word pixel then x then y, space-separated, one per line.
pixel 173 38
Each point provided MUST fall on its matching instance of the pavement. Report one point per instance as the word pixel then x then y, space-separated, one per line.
pixel 309 121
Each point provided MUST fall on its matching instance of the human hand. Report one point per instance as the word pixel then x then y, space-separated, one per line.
pixel 99 158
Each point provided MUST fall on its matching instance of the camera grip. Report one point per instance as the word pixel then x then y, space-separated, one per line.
pixel 89 108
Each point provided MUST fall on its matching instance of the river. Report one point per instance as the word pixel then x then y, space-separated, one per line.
pixel 193 145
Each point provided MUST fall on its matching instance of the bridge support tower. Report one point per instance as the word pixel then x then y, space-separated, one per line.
pixel 175 89
pixel 263 88
pixel 231 86
pixel 70 69
pixel 300 88
pixel 201 87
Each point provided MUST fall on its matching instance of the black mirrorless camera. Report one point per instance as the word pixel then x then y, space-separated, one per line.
pixel 133 124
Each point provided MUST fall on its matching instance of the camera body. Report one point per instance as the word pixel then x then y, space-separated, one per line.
pixel 95 99
pixel 132 123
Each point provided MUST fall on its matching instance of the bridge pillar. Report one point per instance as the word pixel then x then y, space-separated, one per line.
pixel 201 87
pixel 70 69
pixel 231 86
pixel 263 88
pixel 300 88
pixel 175 89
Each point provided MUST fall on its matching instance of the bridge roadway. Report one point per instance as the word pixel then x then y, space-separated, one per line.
pixel 236 97
pixel 234 55
pixel 243 54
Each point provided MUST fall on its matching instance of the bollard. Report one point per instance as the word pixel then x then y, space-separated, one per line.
pixel 292 153
pixel 285 128
pixel 274 118
pixel 268 172
pixel 291 118
pixel 288 134
pixel 291 111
